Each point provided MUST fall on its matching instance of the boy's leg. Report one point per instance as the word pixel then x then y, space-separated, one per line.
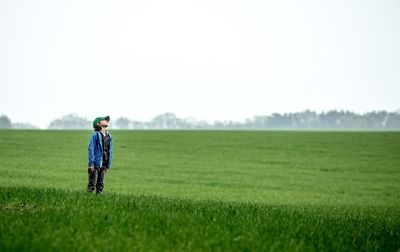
pixel 92 181
pixel 100 180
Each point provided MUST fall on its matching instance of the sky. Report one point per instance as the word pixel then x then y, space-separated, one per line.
pixel 211 60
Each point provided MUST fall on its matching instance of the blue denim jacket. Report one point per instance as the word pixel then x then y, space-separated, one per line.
pixel 96 151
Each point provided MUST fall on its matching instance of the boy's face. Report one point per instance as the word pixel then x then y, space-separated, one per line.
pixel 103 123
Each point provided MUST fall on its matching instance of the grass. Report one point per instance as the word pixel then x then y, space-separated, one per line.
pixel 203 190
pixel 50 219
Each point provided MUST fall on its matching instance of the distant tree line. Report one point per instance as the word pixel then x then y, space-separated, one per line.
pixel 5 123
pixel 305 120
pixel 331 120
pixel 71 121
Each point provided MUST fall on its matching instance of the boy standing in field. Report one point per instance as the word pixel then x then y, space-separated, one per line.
pixel 100 154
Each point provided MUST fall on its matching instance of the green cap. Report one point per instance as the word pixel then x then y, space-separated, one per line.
pixel 98 119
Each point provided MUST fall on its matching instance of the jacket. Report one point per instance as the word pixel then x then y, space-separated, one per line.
pixel 95 157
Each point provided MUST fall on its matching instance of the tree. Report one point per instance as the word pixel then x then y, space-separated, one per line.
pixel 331 119
pixel 375 120
pixel 393 121
pixel 19 125
pixel 5 122
pixel 71 121
pixel 123 123
pixel 166 121
pixel 306 119
pixel 279 121
pixel 258 122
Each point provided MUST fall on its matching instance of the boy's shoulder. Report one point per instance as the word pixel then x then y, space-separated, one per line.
pixel 94 133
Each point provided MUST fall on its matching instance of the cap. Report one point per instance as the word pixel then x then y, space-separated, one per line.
pixel 98 119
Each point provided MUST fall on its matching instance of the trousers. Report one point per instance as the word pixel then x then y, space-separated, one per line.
pixel 96 180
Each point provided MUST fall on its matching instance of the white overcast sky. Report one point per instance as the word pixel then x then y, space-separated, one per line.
pixel 225 60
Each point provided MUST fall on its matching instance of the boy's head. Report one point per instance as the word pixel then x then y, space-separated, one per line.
pixel 101 122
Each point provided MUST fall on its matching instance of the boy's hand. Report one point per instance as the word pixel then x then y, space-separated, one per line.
pixel 105 170
pixel 91 169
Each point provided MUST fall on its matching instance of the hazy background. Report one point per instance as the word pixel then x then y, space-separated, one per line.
pixel 212 60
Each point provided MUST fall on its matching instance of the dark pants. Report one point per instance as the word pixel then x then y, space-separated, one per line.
pixel 96 180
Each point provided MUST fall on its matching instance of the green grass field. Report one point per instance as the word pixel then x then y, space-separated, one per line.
pixel 203 190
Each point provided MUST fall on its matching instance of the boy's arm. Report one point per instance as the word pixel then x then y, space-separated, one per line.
pixel 110 154
pixel 91 151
